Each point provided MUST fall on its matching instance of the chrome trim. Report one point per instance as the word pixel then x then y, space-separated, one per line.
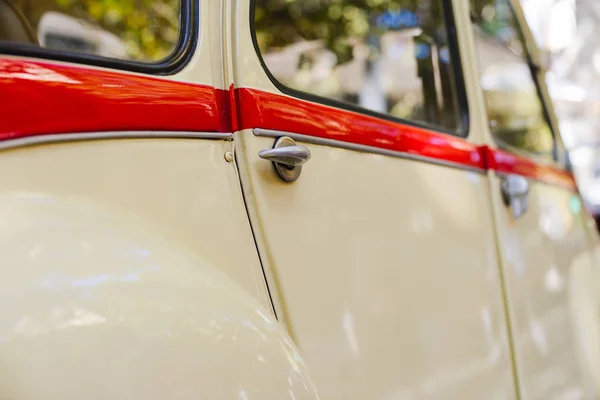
pixel 289 153
pixel 287 158
pixel 78 137
pixel 362 148
pixel 515 194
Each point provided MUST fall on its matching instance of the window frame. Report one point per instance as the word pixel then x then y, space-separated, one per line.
pixel 535 71
pixel 181 54
pixel 462 129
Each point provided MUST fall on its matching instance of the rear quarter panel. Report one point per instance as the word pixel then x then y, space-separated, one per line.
pixel 129 272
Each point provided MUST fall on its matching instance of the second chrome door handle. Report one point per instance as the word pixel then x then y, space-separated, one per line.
pixel 287 158
pixel 515 194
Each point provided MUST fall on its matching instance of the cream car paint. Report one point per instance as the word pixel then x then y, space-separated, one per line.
pixel 376 309
pixel 102 303
pixel 327 289
pixel 373 317
pixel 584 303
pixel 207 63
pixel 540 254
pixel 379 307
pixel 133 269
pixel 152 178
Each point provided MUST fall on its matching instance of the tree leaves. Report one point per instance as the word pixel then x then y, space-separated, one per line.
pixel 149 28
pixel 281 22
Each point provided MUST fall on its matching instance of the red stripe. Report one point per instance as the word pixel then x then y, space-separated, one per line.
pixel 233 109
pixel 508 163
pixel 41 98
pixel 271 111
pixel 38 98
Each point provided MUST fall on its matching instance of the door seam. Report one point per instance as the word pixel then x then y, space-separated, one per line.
pixel 503 287
pixel 252 230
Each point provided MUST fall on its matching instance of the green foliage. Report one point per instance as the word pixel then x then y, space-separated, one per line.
pixel 281 22
pixel 149 28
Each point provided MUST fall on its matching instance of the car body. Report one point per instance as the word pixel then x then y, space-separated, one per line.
pixel 381 213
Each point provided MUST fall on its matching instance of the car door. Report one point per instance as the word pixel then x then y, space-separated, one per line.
pixel 379 251
pixel 543 231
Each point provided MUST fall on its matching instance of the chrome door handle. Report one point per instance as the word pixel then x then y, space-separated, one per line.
pixel 290 156
pixel 287 158
pixel 515 194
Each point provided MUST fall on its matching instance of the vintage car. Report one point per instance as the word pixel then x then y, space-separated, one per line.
pixel 287 199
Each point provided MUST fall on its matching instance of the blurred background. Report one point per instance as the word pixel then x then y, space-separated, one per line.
pixel 143 30
pixel 568 31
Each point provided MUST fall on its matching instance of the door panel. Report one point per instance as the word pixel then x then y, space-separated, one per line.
pixel 539 253
pixel 381 257
pixel 543 242
pixel 386 273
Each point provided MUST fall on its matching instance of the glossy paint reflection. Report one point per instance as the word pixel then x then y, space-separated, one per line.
pixel 44 98
pixel 505 162
pixel 286 114
pixel 542 252
pixel 99 306
pixel 389 286
pixel 278 112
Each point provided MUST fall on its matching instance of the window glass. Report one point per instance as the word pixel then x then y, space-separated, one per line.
pixel 140 30
pixel 515 110
pixel 387 56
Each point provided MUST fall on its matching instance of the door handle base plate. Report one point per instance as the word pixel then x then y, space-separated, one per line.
pixel 287 163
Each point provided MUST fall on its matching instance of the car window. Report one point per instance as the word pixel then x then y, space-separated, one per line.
pixel 389 57
pixel 146 31
pixel 515 111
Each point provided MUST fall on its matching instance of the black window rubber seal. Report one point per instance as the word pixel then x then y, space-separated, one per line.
pixel 463 108
pixel 188 39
